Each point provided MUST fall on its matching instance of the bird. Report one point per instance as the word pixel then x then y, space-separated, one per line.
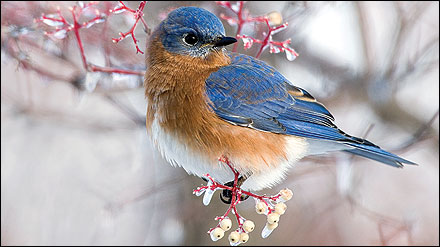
pixel 204 102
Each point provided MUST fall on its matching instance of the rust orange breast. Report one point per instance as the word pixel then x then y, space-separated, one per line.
pixel 175 90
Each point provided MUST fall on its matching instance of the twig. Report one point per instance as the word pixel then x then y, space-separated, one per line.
pixel 418 136
pixel 138 15
pixel 274 46
pixel 132 114
pixel 242 17
pixel 63 27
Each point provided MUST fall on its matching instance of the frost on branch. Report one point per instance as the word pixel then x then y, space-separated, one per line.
pixel 138 16
pixel 241 17
pixel 271 206
pixel 268 42
pixel 91 12
pixel 62 26
pixel 274 23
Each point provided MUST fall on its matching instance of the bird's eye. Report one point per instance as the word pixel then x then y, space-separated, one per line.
pixel 190 39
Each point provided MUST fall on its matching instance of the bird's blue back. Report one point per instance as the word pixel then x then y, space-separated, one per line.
pixel 250 93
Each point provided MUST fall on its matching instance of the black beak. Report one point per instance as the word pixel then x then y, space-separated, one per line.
pixel 224 41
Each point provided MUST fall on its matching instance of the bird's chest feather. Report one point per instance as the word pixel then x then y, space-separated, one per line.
pixel 175 90
pixel 189 134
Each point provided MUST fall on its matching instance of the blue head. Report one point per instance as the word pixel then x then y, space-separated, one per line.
pixel 192 31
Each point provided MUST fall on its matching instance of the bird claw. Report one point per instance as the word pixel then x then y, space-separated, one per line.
pixel 232 195
pixel 226 195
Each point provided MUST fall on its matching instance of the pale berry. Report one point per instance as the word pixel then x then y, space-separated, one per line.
pixel 217 234
pixel 248 225
pixel 261 207
pixel 234 237
pixel 226 224
pixel 275 18
pixel 286 194
pixel 244 237
pixel 280 208
pixel 273 218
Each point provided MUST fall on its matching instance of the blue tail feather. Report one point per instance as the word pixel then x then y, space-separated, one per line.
pixel 375 153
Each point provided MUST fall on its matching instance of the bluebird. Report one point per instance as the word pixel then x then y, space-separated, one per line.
pixel 205 102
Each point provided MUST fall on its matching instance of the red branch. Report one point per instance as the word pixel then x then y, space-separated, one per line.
pixel 95 68
pixel 274 46
pixel 138 15
pixel 62 27
pixel 236 195
pixel 76 27
pixel 241 19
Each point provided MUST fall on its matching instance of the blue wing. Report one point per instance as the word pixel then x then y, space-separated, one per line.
pixel 250 93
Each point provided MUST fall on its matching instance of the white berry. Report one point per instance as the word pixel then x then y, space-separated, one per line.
pixel 234 237
pixel 280 208
pixel 217 234
pixel 244 237
pixel 248 225
pixel 261 207
pixel 273 218
pixel 226 224
pixel 275 18
pixel 286 194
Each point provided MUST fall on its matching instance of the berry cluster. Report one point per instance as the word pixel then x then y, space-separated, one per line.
pixel 235 237
pixel 272 206
pixel 272 211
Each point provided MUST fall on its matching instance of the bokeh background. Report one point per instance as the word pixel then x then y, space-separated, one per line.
pixel 78 169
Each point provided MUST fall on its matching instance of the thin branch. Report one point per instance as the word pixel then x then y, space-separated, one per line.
pixel 138 15
pixel 63 27
pixel 407 23
pixel 418 136
pixel 365 34
pixel 131 113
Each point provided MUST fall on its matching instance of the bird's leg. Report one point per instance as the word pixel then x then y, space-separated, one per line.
pixel 244 197
pixel 232 194
pixel 227 195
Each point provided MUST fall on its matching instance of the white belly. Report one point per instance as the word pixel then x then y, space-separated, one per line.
pixel 179 154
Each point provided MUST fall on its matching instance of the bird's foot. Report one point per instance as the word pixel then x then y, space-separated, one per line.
pixel 232 194
pixel 226 195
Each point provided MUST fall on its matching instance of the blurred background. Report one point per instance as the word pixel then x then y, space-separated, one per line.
pixel 78 169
